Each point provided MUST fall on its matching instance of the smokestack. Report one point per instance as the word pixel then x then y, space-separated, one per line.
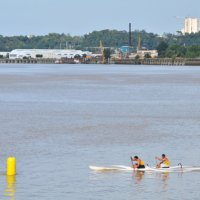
pixel 139 41
pixel 130 39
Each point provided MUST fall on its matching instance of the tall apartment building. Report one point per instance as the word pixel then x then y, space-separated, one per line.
pixel 191 25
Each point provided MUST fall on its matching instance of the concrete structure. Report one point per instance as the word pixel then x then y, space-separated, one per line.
pixel 123 53
pixel 46 53
pixel 191 25
pixel 142 53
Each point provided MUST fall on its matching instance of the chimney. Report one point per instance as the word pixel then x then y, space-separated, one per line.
pixel 130 39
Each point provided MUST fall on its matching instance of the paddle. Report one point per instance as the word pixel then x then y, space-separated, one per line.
pixel 180 164
pixel 132 161
pixel 156 161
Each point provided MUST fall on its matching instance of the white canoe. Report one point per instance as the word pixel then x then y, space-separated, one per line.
pixel 147 168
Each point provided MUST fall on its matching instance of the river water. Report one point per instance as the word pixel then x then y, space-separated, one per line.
pixel 59 119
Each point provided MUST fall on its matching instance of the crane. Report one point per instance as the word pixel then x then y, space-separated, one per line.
pixel 101 51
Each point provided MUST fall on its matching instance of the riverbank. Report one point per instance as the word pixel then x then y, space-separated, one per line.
pixel 147 61
pixel 160 61
pixel 27 61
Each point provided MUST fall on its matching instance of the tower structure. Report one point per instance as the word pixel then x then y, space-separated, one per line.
pixel 139 41
pixel 130 37
pixel 101 51
pixel 191 25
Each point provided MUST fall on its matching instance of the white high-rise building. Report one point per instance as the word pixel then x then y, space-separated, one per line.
pixel 191 25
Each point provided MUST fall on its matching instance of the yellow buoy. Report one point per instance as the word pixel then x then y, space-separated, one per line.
pixel 11 166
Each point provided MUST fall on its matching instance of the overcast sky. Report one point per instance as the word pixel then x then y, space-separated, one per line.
pixel 77 17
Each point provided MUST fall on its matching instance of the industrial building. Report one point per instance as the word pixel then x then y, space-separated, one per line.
pixel 191 25
pixel 47 53
pixel 4 54
pixel 143 52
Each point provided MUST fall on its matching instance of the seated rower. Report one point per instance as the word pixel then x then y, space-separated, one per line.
pixel 139 163
pixel 165 163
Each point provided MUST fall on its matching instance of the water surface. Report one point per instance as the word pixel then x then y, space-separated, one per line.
pixel 59 119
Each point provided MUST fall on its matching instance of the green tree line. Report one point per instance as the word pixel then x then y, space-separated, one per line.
pixel 110 38
pixel 168 45
pixel 174 51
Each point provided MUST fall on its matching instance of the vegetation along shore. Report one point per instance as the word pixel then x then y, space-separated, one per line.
pixel 181 49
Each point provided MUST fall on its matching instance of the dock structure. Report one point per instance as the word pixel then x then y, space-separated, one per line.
pixel 159 61
pixel 146 61
pixel 164 61
pixel 192 62
pixel 27 61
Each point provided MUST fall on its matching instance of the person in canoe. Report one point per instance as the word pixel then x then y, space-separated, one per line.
pixel 165 163
pixel 139 164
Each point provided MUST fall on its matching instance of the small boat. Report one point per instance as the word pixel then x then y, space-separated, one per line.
pixel 178 168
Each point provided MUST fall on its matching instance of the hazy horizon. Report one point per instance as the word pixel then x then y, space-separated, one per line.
pixel 36 17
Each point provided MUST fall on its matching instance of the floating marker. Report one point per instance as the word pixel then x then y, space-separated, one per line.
pixel 11 166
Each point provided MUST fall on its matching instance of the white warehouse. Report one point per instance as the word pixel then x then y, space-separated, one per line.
pixel 46 53
pixel 4 54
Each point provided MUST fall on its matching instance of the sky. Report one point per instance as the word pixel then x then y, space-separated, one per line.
pixel 79 17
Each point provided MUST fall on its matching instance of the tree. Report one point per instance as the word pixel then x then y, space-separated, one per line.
pixel 39 56
pixel 147 55
pixel 77 56
pixel 161 48
pixel 107 54
pixel 137 57
pixel 84 55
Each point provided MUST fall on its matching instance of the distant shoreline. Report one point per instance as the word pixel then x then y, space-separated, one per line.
pixel 147 61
